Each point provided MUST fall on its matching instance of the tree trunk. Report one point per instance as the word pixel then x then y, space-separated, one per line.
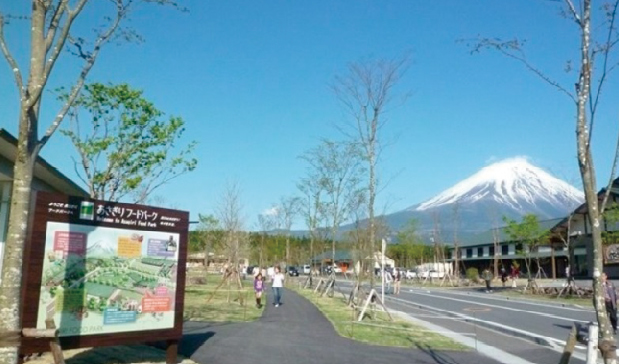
pixel 10 307
pixel 372 193
pixel 587 172
pixel 288 249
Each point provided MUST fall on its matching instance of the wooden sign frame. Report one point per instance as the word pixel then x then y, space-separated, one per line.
pixel 133 218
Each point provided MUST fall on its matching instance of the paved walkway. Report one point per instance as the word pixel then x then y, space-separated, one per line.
pixel 296 332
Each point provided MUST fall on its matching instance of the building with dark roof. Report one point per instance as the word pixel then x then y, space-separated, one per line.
pixel 45 178
pixel 570 241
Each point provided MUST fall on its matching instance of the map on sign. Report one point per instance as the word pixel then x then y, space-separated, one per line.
pixel 99 280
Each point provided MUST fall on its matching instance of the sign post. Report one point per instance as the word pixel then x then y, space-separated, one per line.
pixel 104 273
pixel 382 269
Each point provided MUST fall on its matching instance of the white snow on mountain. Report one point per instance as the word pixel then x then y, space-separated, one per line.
pixel 513 182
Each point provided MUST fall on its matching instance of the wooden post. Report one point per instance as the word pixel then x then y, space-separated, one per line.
pixel 552 261
pixel 54 345
pixel 171 352
pixel 569 347
pixel 592 345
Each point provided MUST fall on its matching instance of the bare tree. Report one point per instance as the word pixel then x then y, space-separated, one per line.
pixel 311 204
pixel 235 240
pixel 266 224
pixel 456 226
pixel 366 93
pixel 209 232
pixel 338 169
pixel 51 31
pixel 597 42
pixel 288 210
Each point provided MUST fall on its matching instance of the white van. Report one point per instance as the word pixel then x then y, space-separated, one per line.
pixel 306 269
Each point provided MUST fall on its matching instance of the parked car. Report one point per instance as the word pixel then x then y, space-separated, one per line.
pixel 410 274
pixel 306 269
pixel 432 274
pixel 293 271
pixel 337 269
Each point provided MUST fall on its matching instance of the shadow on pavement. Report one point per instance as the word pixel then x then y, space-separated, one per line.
pixel 192 342
pixel 439 357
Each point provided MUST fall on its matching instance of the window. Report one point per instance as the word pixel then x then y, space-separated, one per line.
pixel 504 249
pixel 491 251
pixel 480 252
pixel 469 253
pixel 450 254
pixel 519 248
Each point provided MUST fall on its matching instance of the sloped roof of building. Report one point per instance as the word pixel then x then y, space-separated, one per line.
pixel 500 234
pixel 42 169
pixel 340 255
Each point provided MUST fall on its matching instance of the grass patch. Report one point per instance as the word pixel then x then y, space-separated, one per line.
pixel 585 302
pixel 111 355
pixel 224 305
pixel 381 331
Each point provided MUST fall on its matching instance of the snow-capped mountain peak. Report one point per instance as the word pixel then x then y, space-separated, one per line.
pixel 513 182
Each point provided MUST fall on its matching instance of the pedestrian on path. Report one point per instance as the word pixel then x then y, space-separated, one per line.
pixel 388 280
pixel 258 288
pixel 396 281
pixel 610 300
pixel 277 285
pixel 503 275
pixel 487 277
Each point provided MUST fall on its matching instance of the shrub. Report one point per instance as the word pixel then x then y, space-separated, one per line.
pixel 472 274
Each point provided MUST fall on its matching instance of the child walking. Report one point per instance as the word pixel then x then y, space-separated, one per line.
pixel 258 288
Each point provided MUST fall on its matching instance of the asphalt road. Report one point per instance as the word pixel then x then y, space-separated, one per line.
pixel 297 332
pixel 544 326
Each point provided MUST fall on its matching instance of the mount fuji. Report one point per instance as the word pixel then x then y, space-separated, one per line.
pixel 512 187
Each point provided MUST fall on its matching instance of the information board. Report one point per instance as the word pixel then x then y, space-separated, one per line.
pixel 105 273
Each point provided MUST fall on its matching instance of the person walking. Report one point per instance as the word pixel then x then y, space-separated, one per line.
pixel 503 276
pixel 388 280
pixel 258 288
pixel 396 282
pixel 277 285
pixel 610 300
pixel 487 277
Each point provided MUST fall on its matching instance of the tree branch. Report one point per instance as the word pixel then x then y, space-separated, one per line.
pixel 573 12
pixel 605 70
pixel 9 58
pixel 60 10
pixel 515 46
pixel 90 61
pixel 611 179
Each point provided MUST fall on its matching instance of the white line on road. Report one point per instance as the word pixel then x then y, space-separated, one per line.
pixel 506 298
pixel 544 314
pixel 487 350
pixel 552 343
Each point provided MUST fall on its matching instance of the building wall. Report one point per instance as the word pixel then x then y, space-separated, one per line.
pixel 6 174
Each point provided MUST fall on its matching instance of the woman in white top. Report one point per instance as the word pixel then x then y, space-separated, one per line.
pixel 278 283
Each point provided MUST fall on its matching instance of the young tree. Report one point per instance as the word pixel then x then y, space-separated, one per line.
pixel 266 223
pixel 366 93
pixel 288 210
pixel 209 236
pixel 338 169
pixel 124 143
pixel 311 205
pixel 531 235
pixel 597 43
pixel 51 31
pixel 235 241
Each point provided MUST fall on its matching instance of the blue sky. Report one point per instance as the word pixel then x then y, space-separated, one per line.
pixel 251 80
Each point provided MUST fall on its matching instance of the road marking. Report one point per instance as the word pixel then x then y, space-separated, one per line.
pixel 507 298
pixel 545 314
pixel 485 349
pixel 476 309
pixel 550 342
